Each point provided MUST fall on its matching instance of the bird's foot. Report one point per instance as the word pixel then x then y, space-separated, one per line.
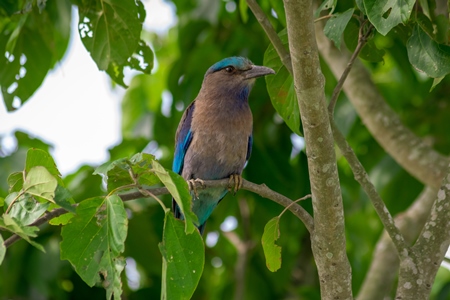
pixel 192 183
pixel 235 179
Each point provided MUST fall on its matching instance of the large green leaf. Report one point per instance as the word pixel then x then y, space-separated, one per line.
pixel 40 183
pixel 110 31
pixel 179 190
pixel 336 25
pixel 183 259
pixel 93 241
pixel 30 44
pixel 281 87
pixel 25 232
pixel 272 251
pixel 386 14
pixel 426 55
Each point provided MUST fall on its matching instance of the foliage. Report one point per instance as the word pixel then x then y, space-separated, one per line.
pixel 407 54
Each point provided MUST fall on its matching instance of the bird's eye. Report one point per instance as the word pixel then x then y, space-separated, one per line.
pixel 229 69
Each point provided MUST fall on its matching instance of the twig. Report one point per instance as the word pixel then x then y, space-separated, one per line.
pixel 298 200
pixel 362 40
pixel 261 190
pixel 283 53
pixel 363 179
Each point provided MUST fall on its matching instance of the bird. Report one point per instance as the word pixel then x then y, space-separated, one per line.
pixel 215 134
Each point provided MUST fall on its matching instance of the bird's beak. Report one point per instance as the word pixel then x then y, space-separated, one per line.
pixel 258 71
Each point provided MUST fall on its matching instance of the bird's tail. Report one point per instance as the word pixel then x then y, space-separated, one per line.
pixel 177 213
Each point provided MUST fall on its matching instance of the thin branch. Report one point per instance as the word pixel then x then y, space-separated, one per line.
pixel 356 166
pixel 260 189
pixel 410 151
pixel 362 40
pixel 383 270
pixel 47 217
pixel 283 53
pixel 431 245
pixel 363 179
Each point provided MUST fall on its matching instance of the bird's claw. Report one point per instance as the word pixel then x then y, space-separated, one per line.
pixel 235 179
pixel 192 183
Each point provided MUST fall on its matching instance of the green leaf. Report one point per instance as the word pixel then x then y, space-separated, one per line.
pixel 141 164
pixel 2 249
pixel 27 210
pixel 428 56
pixel 25 232
pixel 110 31
pixel 30 44
pixel 118 171
pixel 360 5
pixel 2 201
pixel 179 190
pixel 336 25
pixel 140 60
pixel 436 81
pixel 281 87
pixel 15 181
pixel 39 182
pixel 386 14
pixel 183 259
pixel 272 251
pixel 38 157
pixel 63 198
pixel 62 219
pixel 93 241
pixel 243 10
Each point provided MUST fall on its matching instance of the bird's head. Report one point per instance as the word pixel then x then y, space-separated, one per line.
pixel 233 76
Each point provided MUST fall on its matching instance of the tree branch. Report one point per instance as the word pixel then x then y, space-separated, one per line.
pixel 363 179
pixel 283 53
pixel 260 189
pixel 385 261
pixel 431 246
pixel 328 239
pixel 415 156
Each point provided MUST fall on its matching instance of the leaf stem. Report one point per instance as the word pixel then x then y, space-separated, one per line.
pixel 293 202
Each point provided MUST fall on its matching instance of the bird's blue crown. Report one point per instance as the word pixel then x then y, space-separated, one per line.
pixel 238 62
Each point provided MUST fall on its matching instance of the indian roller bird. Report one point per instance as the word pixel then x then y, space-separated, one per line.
pixel 214 137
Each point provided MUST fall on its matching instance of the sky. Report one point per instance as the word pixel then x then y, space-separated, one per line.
pixel 75 109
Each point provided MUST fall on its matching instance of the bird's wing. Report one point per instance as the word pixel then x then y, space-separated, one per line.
pixel 183 138
pixel 249 147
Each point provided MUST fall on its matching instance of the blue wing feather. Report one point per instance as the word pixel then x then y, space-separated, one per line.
pixel 183 139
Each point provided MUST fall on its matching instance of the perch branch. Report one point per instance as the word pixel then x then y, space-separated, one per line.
pixel 260 189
